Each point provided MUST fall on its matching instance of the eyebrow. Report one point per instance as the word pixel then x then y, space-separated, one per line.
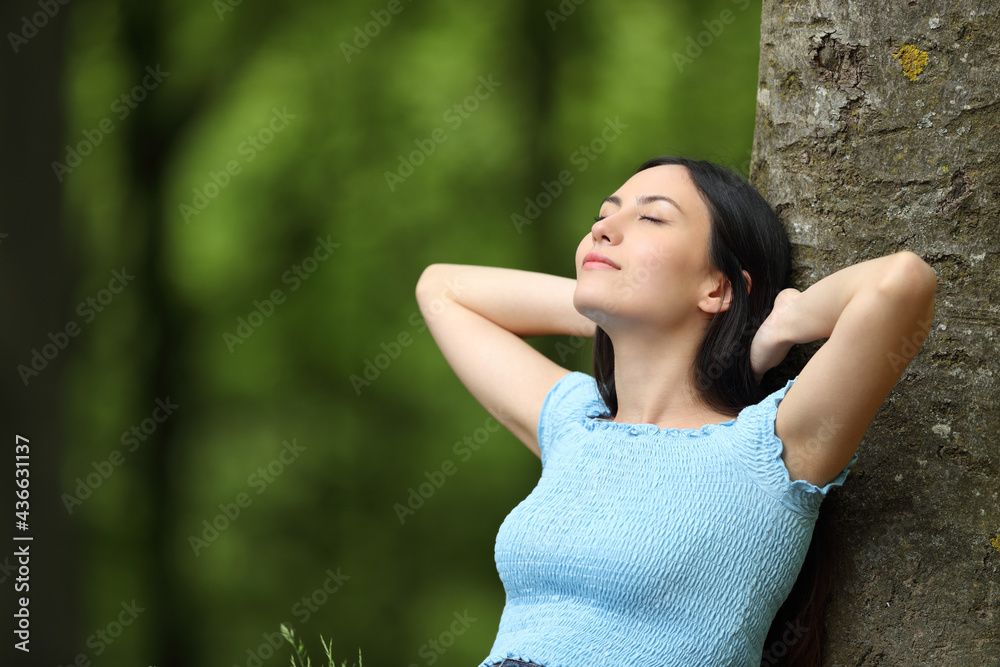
pixel 643 200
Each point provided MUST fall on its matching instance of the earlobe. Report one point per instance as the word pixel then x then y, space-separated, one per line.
pixel 749 281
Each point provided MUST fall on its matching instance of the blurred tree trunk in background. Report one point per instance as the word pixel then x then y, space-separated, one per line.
pixel 539 56
pixel 38 281
pixel 876 132
pixel 148 146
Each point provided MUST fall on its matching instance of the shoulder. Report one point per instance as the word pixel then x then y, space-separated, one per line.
pixel 762 451
pixel 755 417
pixel 573 394
pixel 575 385
pixel 573 398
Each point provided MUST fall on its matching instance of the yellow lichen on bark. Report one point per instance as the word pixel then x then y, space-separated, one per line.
pixel 912 59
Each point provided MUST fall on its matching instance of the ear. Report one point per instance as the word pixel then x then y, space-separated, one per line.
pixel 720 296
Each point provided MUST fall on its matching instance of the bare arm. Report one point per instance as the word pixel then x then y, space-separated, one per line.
pixel 876 316
pixel 479 316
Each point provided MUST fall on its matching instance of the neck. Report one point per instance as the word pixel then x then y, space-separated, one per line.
pixel 655 382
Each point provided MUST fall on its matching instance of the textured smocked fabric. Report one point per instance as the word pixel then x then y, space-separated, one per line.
pixel 641 546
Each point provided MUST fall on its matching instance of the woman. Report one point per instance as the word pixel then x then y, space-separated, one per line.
pixel 678 497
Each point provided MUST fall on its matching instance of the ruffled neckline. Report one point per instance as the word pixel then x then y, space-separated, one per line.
pixel 596 408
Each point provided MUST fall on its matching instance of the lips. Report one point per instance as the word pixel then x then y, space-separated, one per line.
pixel 598 258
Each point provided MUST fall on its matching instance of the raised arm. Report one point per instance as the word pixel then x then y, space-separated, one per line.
pixel 876 315
pixel 479 316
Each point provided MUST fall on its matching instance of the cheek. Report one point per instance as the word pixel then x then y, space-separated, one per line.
pixel 660 275
pixel 581 251
pixel 655 266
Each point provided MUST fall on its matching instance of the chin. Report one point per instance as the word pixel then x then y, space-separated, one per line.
pixel 594 305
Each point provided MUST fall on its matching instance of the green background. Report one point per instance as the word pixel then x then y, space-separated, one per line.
pixel 351 118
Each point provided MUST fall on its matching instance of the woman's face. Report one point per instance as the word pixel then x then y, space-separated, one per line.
pixel 655 230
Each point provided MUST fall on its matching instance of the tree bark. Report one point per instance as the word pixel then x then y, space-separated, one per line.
pixel 876 132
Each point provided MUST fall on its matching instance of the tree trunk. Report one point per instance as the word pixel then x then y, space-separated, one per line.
pixel 876 132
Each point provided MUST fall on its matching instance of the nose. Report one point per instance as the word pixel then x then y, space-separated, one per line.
pixel 605 228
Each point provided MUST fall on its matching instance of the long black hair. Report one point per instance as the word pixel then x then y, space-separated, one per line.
pixel 746 235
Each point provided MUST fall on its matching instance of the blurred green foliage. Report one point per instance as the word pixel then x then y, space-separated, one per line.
pixel 261 202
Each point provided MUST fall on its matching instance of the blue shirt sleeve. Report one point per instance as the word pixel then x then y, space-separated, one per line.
pixel 566 403
pixel 760 449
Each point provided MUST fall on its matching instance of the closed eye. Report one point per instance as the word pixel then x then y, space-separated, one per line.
pixel 598 218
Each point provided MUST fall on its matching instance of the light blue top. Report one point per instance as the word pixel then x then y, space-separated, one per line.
pixel 642 546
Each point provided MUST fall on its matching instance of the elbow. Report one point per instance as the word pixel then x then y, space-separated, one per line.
pixel 427 278
pixel 434 282
pixel 911 280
